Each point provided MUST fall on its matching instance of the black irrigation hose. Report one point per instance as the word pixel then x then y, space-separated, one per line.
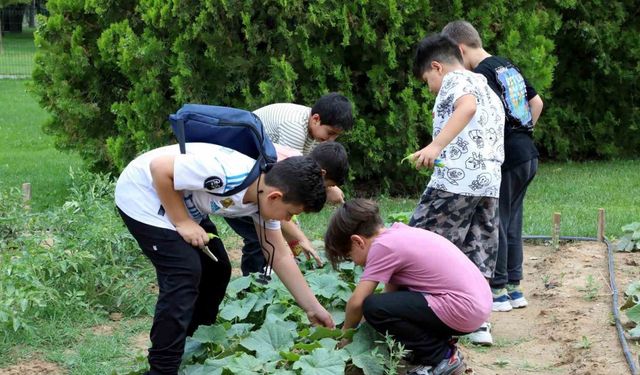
pixel 614 288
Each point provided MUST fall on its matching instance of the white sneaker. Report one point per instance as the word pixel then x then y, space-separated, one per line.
pixel 501 300
pixel 482 335
pixel 516 297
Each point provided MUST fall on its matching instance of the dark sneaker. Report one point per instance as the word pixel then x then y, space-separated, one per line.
pixel 516 297
pixel 453 365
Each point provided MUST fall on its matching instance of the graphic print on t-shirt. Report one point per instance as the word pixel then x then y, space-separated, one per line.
pixel 515 95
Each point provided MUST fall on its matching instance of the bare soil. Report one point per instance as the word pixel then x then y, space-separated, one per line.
pixel 33 367
pixel 568 326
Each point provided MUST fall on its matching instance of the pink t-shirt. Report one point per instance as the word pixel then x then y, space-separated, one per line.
pixel 426 262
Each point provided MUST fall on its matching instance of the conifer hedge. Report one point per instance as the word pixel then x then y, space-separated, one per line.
pixel 110 72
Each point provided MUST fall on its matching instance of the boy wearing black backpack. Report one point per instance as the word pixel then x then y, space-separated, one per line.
pixel 164 198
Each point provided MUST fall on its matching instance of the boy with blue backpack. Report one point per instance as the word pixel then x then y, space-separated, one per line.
pixel 301 129
pixel 165 196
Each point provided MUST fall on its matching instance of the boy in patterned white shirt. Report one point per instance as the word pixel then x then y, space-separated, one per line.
pixel 461 199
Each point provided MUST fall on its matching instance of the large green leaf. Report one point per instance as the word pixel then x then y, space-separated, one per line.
pixel 245 364
pixel 321 362
pixel 634 314
pixel 324 285
pixel 363 350
pixel 238 285
pixel 210 334
pixel 239 329
pixel 239 308
pixel 634 333
pixel 633 290
pixel 269 340
pixel 210 367
pixel 369 364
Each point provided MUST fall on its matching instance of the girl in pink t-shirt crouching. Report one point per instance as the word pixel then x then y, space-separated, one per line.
pixel 432 290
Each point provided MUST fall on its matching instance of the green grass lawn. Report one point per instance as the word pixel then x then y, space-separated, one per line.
pixel 576 190
pixel 16 54
pixel 27 155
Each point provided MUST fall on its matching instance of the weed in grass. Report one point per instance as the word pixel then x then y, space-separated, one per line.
pixel 502 363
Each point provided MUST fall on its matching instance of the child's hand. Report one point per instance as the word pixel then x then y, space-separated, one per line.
pixel 426 157
pixel 309 252
pixel 320 316
pixel 192 233
pixel 344 342
pixel 335 195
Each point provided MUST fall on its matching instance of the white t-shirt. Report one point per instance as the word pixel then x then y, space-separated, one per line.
pixel 204 168
pixel 472 160
pixel 287 124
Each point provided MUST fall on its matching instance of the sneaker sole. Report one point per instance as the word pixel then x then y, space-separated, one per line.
pixel 518 303
pixel 502 306
pixel 460 370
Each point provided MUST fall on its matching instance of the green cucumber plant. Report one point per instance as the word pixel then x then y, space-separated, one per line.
pixel 261 330
pixel 630 241
pixel 632 308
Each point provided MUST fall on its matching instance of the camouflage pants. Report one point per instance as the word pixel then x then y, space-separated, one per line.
pixel 471 223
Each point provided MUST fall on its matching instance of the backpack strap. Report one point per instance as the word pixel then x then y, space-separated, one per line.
pixel 179 131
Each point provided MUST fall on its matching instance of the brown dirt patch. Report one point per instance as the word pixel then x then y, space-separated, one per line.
pixel 568 326
pixel 32 367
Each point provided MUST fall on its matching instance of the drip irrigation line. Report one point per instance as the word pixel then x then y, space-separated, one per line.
pixel 614 288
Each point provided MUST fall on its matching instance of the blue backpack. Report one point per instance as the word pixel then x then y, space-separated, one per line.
pixel 236 129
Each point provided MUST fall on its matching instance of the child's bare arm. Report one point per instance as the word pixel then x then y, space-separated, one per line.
pixel 173 203
pixel 293 233
pixel 536 105
pixel 464 110
pixel 353 312
pixel 287 270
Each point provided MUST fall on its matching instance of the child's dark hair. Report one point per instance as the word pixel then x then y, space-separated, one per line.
pixel 332 157
pixel 358 216
pixel 436 47
pixel 462 32
pixel 334 110
pixel 300 180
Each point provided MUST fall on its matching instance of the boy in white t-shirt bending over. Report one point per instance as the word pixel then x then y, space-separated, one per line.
pixel 164 199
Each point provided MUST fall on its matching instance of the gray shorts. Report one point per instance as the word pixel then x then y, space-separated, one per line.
pixel 471 223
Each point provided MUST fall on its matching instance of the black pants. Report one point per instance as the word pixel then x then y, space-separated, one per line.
pixel 252 256
pixel 408 317
pixel 191 285
pixel 510 253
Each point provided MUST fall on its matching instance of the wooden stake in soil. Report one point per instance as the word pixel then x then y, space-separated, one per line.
pixel 601 224
pixel 26 196
pixel 555 232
